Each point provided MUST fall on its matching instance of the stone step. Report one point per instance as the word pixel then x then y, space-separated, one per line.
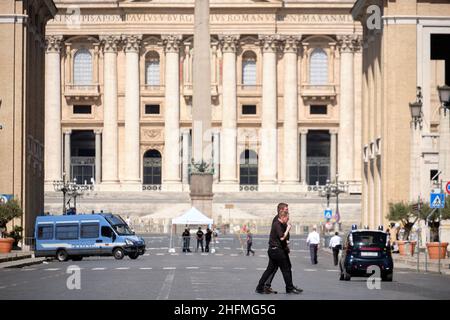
pixel 21 263
pixel 14 256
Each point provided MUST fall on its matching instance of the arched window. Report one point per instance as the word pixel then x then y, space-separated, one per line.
pixel 249 68
pixel 318 67
pixel 152 74
pixel 248 169
pixel 82 67
pixel 152 167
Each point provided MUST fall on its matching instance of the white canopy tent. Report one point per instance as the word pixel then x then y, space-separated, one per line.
pixel 191 217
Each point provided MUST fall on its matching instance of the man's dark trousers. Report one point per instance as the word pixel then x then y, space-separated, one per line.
pixel 200 242
pixel 336 254
pixel 313 252
pixel 268 282
pixel 277 259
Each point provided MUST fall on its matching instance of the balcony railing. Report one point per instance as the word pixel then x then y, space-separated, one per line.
pixel 153 89
pixel 248 187
pixel 82 92
pixel 318 92
pixel 151 187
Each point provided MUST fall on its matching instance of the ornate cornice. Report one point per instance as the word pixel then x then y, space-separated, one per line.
pixel 53 44
pixel 269 43
pixel 229 42
pixel 171 43
pixel 110 43
pixel 132 43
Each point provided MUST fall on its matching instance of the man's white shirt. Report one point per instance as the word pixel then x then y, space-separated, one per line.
pixel 313 238
pixel 334 241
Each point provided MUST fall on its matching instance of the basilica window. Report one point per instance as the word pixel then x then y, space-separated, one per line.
pixel 82 67
pixel 248 169
pixel 152 69
pixel 152 167
pixel 249 68
pixel 318 157
pixel 318 67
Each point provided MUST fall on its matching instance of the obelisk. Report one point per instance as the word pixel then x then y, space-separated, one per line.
pixel 201 174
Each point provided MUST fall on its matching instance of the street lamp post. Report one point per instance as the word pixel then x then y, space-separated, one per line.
pixel 333 190
pixel 71 189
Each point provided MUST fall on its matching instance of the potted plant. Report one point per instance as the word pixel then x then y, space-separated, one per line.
pixel 402 211
pixel 8 211
pixel 434 247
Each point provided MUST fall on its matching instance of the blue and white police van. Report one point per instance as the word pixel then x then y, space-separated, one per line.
pixel 83 235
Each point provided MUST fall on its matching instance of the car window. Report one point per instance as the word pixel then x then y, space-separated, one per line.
pixel 369 238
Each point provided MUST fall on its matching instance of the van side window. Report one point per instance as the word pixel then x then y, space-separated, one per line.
pixel 106 232
pixel 89 230
pixel 67 232
pixel 45 232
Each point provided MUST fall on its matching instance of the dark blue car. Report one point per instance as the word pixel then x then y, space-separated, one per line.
pixel 363 249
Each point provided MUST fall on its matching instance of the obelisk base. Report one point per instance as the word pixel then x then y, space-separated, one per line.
pixel 201 193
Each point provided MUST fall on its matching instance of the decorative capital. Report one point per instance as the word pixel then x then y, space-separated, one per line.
pixel 334 131
pixel 229 42
pixel 347 42
pixel 291 43
pixel 53 44
pixel 171 42
pixel 132 42
pixel 110 43
pixel 304 131
pixel 269 43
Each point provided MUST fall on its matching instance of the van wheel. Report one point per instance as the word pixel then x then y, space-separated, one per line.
pixel 134 255
pixel 61 255
pixel 77 258
pixel 118 253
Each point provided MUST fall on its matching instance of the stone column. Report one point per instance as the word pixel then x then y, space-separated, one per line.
pixel 303 160
pixel 172 113
pixel 216 155
pixel 333 148
pixel 269 148
pixel 110 153
pixel 290 142
pixel 186 158
pixel 98 157
pixel 346 105
pixel 228 145
pixel 53 136
pixel 132 109
pixel 67 135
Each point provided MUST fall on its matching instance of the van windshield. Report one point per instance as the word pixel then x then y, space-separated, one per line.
pixel 119 225
pixel 123 230
pixel 369 239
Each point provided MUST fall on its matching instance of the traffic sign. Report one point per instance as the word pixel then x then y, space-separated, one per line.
pixel 447 187
pixel 437 200
pixel 328 214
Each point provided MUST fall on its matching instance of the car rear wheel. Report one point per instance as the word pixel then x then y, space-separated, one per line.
pixel 61 255
pixel 118 253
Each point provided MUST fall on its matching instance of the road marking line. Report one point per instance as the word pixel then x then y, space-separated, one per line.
pixel 310 270
pixel 217 268
pixel 167 285
pixel 2 287
pixel 52 269
pixel 160 254
pixel 227 248
pixel 240 268
pixel 145 268
pixel 219 254
pixel 169 268
pixel 95 269
pixel 123 268
pixel 146 254
pixel 192 267
pixel 332 270
pixel 233 255
pixel 174 254
pixel 31 269
pixel 260 269
pixel 262 256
